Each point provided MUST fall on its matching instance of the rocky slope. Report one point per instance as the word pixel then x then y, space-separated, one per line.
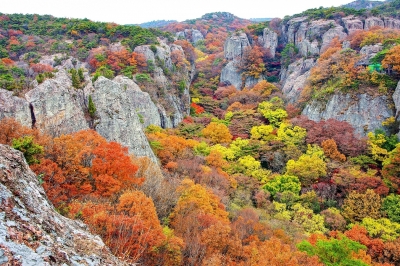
pixel 31 231
pixel 123 108
pixel 364 112
pixel 234 48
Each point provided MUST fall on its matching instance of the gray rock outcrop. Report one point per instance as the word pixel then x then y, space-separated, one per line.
pixel 269 40
pixel 364 112
pixel 116 117
pixel 31 231
pixel 57 107
pixel 352 23
pixel 235 45
pixel 373 22
pixel 312 38
pixel 197 36
pixel 368 52
pixel 396 100
pixel 231 75
pixel 12 106
pixel 294 78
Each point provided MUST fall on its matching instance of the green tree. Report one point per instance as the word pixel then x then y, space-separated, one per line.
pixel 334 252
pixel 283 183
pixel 28 148
pixel 308 168
pixel 91 107
pixel 391 205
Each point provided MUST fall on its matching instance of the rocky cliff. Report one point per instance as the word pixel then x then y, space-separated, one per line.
pixel 124 108
pixel 364 112
pixel 312 37
pixel 31 231
pixel 234 48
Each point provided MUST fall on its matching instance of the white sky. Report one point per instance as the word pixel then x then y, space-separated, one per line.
pixel 139 11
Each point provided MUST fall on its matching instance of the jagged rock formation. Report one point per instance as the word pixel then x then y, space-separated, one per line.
pixel 294 78
pixel 192 36
pixel 31 231
pixel 57 109
pixel 313 37
pixel 368 52
pixel 396 100
pixel 230 74
pixel 235 45
pixel 123 108
pixel 172 109
pixel 234 48
pixel 269 40
pixel 117 119
pixel 364 112
pixel 12 106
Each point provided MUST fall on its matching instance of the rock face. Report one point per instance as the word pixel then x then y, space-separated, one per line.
pixel 197 36
pixel 31 231
pixel 172 109
pixel 373 22
pixel 364 112
pixel 369 51
pixel 231 75
pixel 12 106
pixel 396 100
pixel 235 45
pixel 117 119
pixel 311 38
pixel 294 78
pixel 269 40
pixel 57 107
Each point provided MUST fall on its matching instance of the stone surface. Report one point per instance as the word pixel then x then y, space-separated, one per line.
pixel 352 23
pixel 295 78
pixel 117 119
pixel 364 112
pixel 144 106
pixel 269 40
pixel 231 75
pixel 31 231
pixel 57 107
pixel 368 52
pixel 396 100
pixel 12 106
pixel 197 36
pixel 373 22
pixel 235 45
pixel 391 23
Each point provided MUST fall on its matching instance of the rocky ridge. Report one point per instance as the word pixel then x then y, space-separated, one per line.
pixel 31 231
pixel 123 108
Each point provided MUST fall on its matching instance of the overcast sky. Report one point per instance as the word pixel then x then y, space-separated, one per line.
pixel 139 11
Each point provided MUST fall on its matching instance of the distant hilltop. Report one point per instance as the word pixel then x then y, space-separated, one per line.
pixel 155 23
pixel 364 4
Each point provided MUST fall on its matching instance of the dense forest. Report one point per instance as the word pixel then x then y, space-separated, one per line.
pixel 245 178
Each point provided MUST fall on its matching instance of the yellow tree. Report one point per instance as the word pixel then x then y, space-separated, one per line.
pixel 217 133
